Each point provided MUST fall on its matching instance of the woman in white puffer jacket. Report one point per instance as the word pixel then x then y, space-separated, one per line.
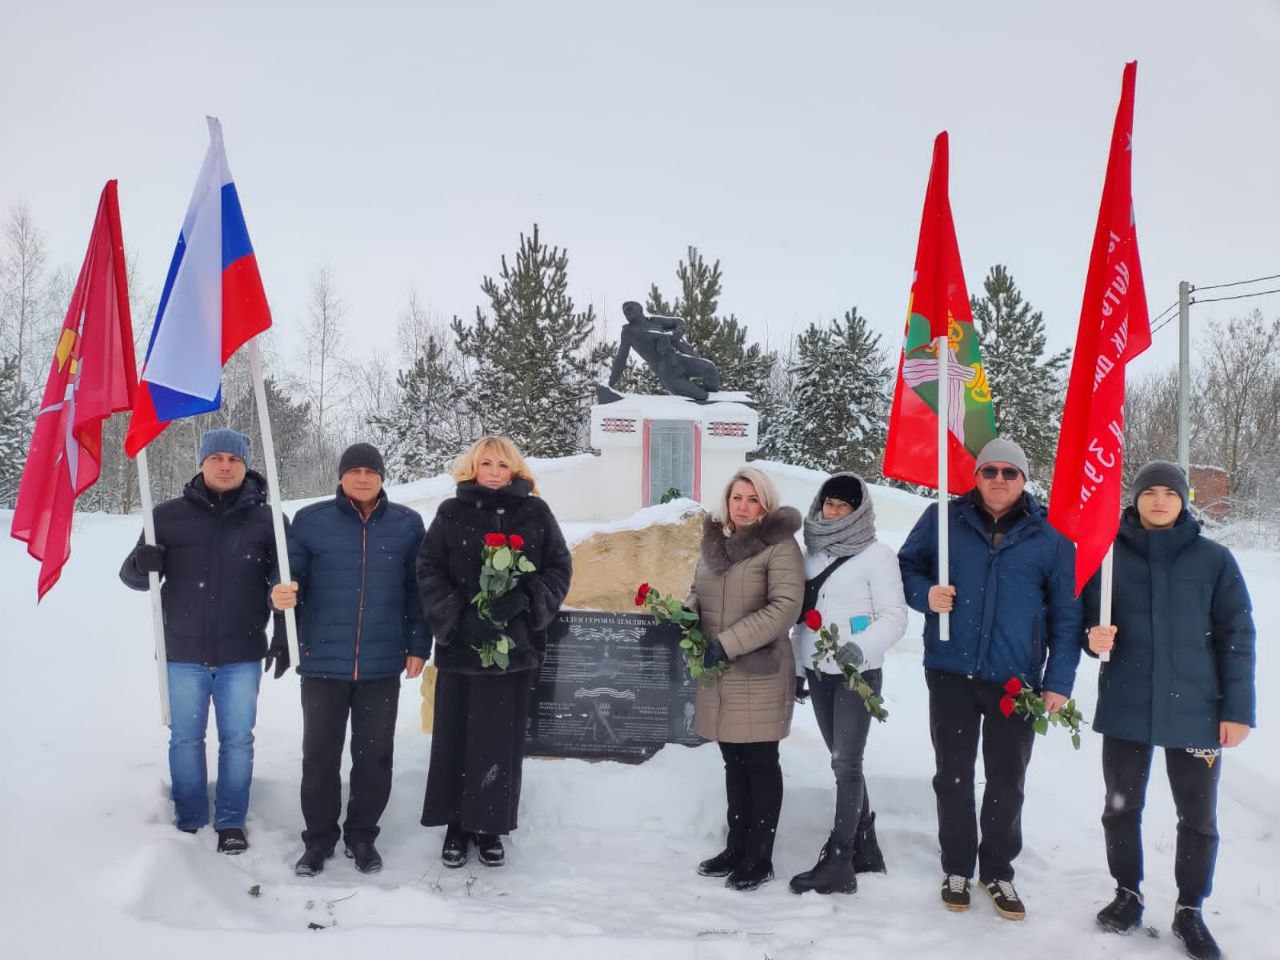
pixel 853 581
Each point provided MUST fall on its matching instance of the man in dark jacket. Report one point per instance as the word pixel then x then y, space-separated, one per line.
pixel 1180 676
pixel 360 625
pixel 1013 613
pixel 216 555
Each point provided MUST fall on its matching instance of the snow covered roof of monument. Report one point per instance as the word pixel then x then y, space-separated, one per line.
pixel 725 405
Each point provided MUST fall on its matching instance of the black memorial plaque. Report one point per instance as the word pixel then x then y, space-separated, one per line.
pixel 613 686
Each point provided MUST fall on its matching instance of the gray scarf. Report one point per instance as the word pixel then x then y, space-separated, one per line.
pixel 844 536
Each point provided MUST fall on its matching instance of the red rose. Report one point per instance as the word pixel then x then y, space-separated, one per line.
pixel 1007 705
pixel 517 542
pixel 641 593
pixel 813 620
pixel 1013 686
pixel 495 539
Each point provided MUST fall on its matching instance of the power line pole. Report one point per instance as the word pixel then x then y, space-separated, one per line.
pixel 1184 377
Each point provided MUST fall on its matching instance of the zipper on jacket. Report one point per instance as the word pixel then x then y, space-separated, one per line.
pixel 364 541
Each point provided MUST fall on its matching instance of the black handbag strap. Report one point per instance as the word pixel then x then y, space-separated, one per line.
pixel 811 587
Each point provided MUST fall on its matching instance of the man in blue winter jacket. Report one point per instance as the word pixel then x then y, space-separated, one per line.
pixel 360 624
pixel 1013 613
pixel 1180 675
pixel 215 553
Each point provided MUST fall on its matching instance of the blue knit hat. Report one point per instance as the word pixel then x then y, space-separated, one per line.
pixel 224 441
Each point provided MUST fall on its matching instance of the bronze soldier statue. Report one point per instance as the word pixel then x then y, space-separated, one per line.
pixel 660 343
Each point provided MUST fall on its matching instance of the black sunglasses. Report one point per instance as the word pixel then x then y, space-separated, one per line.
pixel 1009 473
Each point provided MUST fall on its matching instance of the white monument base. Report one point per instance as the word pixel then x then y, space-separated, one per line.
pixel 651 445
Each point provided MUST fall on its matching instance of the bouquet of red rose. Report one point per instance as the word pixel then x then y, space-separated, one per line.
pixel 501 564
pixel 849 658
pixel 693 642
pixel 1022 699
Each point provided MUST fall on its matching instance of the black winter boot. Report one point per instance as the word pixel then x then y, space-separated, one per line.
pixel 365 854
pixel 456 843
pixel 1124 913
pixel 721 865
pixel 867 857
pixel 1188 926
pixel 833 873
pixel 490 850
pixel 312 861
pixel 750 876
pixel 232 841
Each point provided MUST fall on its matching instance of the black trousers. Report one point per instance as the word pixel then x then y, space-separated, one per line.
pixel 326 705
pixel 845 723
pixel 962 711
pixel 753 787
pixel 1193 779
pixel 477 750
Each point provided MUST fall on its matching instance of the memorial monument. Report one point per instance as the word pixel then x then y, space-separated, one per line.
pixel 690 440
pixel 659 342
pixel 613 685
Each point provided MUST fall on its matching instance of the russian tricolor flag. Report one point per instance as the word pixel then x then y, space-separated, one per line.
pixel 213 302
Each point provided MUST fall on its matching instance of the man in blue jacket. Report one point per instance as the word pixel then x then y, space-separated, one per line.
pixel 1181 677
pixel 1012 604
pixel 215 553
pixel 360 624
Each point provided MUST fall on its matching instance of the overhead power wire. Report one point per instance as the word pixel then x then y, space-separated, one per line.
pixel 1156 329
pixel 1236 283
pixel 1161 315
pixel 1159 324
pixel 1238 296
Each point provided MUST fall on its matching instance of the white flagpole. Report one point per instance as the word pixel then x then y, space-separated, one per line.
pixel 1104 613
pixel 153 579
pixel 944 570
pixel 273 492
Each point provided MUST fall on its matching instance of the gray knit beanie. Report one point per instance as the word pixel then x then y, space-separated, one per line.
pixel 1161 473
pixel 1001 450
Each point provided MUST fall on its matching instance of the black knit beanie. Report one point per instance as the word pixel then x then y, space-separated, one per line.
pixel 1161 473
pixel 362 455
pixel 843 487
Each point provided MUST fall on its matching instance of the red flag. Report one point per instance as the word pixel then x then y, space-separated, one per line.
pixel 93 375
pixel 939 305
pixel 1114 328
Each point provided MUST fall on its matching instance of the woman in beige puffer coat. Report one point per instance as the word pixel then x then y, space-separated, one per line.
pixel 747 591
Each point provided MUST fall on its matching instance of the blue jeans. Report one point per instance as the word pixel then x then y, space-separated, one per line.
pixel 233 687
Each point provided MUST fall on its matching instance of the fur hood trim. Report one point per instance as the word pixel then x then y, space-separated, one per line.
pixel 720 552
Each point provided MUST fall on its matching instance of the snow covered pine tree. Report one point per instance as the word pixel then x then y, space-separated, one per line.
pixel 537 361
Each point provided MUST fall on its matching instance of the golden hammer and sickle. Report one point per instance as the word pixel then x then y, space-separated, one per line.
pixel 66 343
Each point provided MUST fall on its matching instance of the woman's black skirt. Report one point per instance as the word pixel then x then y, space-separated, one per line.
pixel 477 746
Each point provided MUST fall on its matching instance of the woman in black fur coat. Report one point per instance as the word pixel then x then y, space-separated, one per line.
pixel 477 743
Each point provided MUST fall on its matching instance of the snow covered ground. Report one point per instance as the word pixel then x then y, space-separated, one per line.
pixel 602 865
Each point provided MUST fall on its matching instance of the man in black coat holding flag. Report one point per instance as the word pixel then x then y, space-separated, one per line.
pixel 1181 677
pixel 215 553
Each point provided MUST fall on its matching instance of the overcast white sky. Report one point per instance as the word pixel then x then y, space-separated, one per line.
pixel 408 144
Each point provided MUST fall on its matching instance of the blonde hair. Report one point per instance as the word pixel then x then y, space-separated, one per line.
pixel 766 493
pixel 465 467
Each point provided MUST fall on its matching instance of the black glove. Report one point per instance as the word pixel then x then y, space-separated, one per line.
pixel 714 654
pixel 278 654
pixel 802 691
pixel 475 630
pixel 509 606
pixel 148 558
